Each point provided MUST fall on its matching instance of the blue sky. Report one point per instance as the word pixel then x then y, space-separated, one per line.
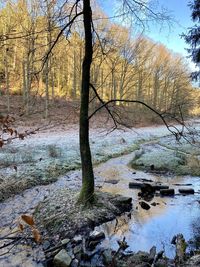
pixel 171 37
pixel 180 12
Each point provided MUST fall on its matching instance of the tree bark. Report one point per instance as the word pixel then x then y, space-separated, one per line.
pixel 87 190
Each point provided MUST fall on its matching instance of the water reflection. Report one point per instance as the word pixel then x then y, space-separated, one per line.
pixel 157 226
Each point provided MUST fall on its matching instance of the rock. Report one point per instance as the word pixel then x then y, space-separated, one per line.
pixel 107 256
pixel 147 189
pixel 180 249
pixel 123 203
pixel 167 192
pixel 152 167
pixel 96 235
pixel 159 255
pixel 162 263
pixel 135 185
pixel 46 245
pixel 152 254
pixel 142 256
pixel 122 141
pixel 173 241
pixel 154 204
pixel 112 181
pixel 88 255
pixel 85 264
pixel 193 261
pixel 139 259
pixel 186 191
pixel 78 249
pixel 62 259
pixel 159 187
pixel 147 192
pixel 92 244
pixel 65 241
pixel 144 205
pixel 97 259
pixel 77 239
pixel 75 263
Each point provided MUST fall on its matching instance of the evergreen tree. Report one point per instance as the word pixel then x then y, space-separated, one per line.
pixel 193 37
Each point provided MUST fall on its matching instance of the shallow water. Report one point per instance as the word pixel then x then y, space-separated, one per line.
pixel 145 228
pixel 157 226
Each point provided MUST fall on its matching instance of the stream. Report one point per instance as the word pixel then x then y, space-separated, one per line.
pixel 142 228
pixel 158 225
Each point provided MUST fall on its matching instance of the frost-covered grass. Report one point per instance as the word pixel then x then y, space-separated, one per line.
pixel 163 160
pixel 182 145
pixel 42 158
pixel 169 156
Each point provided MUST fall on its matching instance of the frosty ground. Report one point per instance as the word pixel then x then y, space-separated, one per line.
pixel 42 158
pixel 48 157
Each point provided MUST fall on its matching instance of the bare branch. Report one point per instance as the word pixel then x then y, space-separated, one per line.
pixel 171 128
pixel 58 37
pixel 102 102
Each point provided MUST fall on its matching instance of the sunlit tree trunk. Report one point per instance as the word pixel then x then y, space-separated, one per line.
pixel 73 95
pixel 47 89
pixel 7 78
pixel 24 81
pixel 52 83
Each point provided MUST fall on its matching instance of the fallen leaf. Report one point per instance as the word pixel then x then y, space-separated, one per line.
pixel 21 227
pixel 28 219
pixel 36 235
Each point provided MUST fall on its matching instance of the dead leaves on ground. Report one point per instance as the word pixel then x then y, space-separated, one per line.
pixel 27 220
pixel 36 235
pixel 8 131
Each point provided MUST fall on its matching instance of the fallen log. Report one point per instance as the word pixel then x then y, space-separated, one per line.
pixel 135 185
pixel 167 192
pixel 186 191
pixel 159 187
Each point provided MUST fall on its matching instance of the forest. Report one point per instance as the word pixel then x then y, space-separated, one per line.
pixel 99 142
pixel 122 67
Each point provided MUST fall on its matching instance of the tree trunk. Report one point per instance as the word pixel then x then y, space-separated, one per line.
pixel 52 84
pixel 24 82
pixel 7 80
pixel 73 95
pixel 87 190
pixel 47 89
